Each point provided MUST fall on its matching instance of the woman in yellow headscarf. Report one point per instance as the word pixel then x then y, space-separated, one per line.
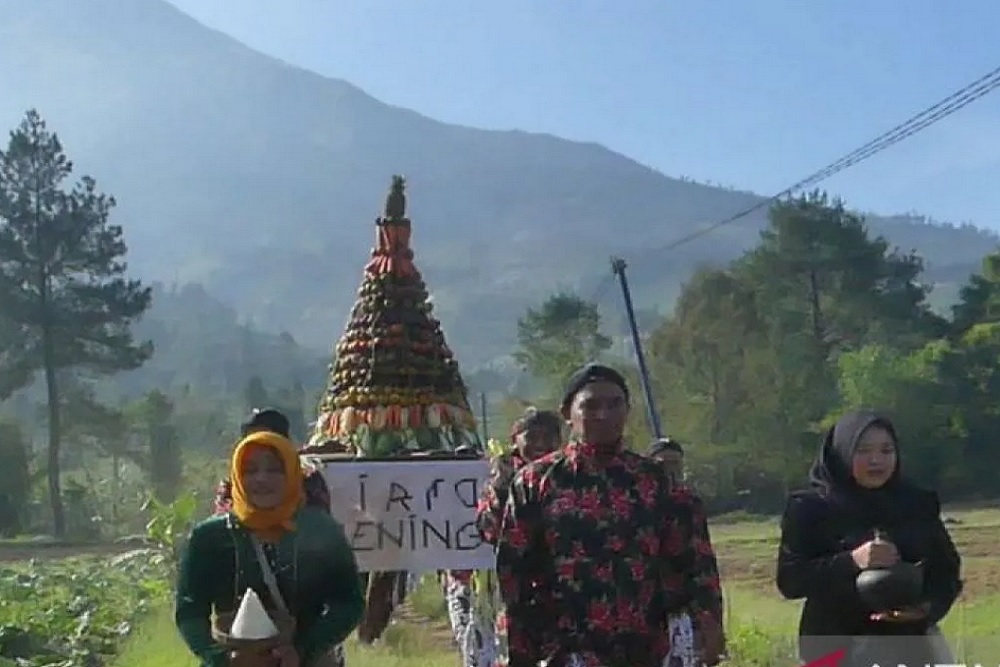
pixel 295 558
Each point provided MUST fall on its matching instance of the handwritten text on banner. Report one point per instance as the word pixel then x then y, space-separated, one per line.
pixel 410 515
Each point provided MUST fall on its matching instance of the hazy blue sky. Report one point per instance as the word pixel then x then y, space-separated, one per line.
pixel 752 93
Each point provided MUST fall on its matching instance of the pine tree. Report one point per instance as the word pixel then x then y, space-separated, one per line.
pixel 65 298
pixel 15 478
pixel 394 385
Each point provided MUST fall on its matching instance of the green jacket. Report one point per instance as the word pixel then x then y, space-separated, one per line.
pixel 316 572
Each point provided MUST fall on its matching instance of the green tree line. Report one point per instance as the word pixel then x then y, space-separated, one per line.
pixel 759 357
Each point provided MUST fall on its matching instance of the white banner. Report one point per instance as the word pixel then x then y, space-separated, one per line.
pixel 416 516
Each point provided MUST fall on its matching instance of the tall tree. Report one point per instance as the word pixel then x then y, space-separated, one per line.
pixel 979 298
pixel 15 478
pixel 700 351
pixel 63 276
pixel 825 286
pixel 95 427
pixel 255 394
pixel 560 335
pixel 825 274
pixel 152 418
pixel 291 401
pixel 748 359
pixel 17 371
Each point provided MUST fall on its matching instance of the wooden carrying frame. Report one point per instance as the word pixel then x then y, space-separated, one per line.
pixel 415 457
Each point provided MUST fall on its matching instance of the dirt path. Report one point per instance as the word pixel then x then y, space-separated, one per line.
pixel 10 552
pixel 439 632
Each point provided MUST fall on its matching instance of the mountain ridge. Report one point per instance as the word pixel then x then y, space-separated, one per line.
pixel 261 179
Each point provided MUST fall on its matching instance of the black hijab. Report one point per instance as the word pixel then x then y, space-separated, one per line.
pixel 831 472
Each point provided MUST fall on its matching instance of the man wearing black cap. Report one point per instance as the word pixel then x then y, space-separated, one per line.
pixel 687 639
pixel 594 553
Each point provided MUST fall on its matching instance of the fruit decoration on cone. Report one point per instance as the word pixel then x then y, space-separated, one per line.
pixel 394 385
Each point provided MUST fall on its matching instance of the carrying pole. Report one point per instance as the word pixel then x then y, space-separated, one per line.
pixel 482 412
pixel 618 266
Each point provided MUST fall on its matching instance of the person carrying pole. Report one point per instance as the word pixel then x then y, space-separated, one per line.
pixel 535 434
pixel 687 641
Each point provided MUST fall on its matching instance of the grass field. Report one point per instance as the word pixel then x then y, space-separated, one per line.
pixel 758 617
pixel 758 620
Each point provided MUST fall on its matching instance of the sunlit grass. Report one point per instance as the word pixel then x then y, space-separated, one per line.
pixel 760 624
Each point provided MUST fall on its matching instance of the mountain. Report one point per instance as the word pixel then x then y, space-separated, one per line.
pixel 200 342
pixel 202 350
pixel 261 181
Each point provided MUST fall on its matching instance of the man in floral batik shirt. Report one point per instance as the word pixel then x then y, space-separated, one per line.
pixel 535 434
pixel 594 553
pixel 685 635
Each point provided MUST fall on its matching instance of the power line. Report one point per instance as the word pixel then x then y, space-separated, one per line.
pixel 920 121
pixel 911 129
pixel 916 123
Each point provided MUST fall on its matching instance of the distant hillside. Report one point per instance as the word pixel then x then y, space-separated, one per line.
pixel 203 343
pixel 260 181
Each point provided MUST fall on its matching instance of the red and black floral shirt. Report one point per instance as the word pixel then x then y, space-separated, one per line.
pixel 489 512
pixel 593 554
pixel 687 497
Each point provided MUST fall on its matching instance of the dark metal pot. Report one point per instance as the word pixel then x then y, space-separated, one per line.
pixel 891 588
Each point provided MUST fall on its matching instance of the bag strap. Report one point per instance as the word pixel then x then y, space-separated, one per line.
pixel 269 579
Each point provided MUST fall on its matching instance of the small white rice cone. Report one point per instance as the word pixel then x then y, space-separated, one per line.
pixel 252 620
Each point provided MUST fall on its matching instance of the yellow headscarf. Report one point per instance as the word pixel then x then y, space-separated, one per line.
pixel 269 524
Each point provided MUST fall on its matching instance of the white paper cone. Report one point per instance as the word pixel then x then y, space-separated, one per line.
pixel 252 620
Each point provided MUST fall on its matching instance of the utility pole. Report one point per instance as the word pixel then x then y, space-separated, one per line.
pixel 618 267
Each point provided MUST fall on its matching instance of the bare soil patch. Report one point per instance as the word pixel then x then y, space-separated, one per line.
pixel 750 561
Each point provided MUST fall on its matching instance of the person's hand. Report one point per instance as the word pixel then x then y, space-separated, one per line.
pixel 875 553
pixel 710 640
pixel 907 615
pixel 286 656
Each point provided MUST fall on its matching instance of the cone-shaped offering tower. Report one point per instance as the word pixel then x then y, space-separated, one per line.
pixel 394 385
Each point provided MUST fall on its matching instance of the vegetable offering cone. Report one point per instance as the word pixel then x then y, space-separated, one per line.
pixel 394 385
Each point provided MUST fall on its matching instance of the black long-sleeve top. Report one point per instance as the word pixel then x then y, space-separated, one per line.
pixel 815 563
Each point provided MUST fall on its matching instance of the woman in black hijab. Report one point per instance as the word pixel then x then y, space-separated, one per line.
pixel 861 513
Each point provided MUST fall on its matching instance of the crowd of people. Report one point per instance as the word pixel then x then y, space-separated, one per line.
pixel 603 555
